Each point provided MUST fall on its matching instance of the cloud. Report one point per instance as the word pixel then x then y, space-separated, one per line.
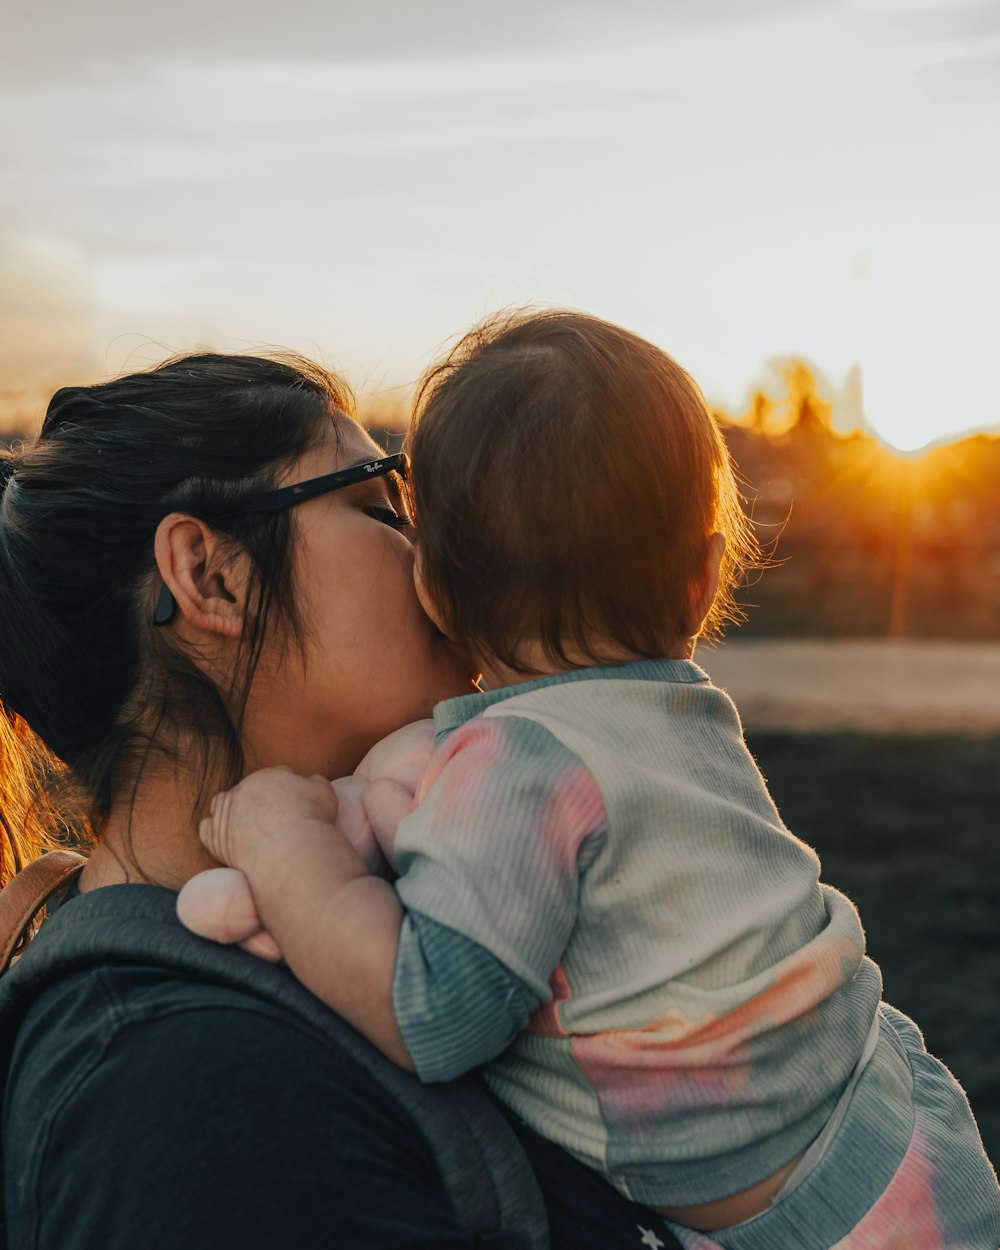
pixel 955 48
pixel 70 40
pixel 945 22
pixel 963 80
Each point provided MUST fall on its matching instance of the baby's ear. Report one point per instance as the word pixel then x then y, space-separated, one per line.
pixel 706 587
pixel 427 600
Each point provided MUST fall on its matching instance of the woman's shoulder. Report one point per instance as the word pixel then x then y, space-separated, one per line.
pixel 200 1119
pixel 152 1086
pixel 117 959
pixel 124 945
pixel 113 977
pixel 147 1039
pixel 228 1113
pixel 114 1005
pixel 94 1016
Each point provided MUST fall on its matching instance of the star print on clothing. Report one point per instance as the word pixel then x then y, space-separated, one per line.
pixel 649 1238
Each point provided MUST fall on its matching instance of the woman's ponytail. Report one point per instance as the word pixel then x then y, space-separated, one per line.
pixel 29 773
pixel 29 824
pixel 89 688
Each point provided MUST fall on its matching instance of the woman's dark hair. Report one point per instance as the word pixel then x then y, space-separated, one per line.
pixel 88 684
pixel 567 477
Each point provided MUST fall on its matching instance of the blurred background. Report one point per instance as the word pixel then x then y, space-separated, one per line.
pixel 796 198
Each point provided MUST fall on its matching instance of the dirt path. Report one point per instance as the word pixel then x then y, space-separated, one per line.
pixel 879 687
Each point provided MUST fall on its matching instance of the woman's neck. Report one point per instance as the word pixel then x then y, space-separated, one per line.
pixel 152 837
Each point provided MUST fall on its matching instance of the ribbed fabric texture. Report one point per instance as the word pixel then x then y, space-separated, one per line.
pixel 905 1170
pixel 606 836
pixel 456 1005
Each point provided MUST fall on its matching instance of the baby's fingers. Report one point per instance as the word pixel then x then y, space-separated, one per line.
pixel 215 830
pixel 211 835
pixel 263 946
pixel 326 797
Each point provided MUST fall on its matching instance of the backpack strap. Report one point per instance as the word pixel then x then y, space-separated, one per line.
pixel 27 892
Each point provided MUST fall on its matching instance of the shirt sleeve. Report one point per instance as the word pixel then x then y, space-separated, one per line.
pixel 456 1005
pixel 232 1129
pixel 507 822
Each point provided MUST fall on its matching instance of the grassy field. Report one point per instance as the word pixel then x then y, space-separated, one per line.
pixel 908 828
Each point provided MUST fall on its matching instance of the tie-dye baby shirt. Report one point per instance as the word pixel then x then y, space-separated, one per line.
pixel 603 901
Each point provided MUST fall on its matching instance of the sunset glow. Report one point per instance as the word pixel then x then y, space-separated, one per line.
pixel 742 184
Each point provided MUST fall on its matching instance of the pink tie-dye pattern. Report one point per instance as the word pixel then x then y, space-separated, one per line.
pixel 675 1063
pixel 574 810
pixel 905 1216
pixel 471 752
pixel 641 1081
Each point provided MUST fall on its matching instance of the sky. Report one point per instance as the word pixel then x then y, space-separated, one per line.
pixel 741 181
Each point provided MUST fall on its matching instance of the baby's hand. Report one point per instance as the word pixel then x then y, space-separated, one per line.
pixel 382 791
pixel 402 756
pixel 260 809
pixel 354 824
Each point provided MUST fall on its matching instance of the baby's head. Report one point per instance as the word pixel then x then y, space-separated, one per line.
pixel 570 486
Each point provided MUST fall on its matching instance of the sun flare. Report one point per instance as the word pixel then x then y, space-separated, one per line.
pixel 916 403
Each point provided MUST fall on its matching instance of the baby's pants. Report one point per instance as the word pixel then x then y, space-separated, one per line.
pixel 905 1170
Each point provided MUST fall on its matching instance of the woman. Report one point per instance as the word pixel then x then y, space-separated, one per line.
pixel 204 570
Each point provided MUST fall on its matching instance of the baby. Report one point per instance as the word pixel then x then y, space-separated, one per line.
pixel 595 895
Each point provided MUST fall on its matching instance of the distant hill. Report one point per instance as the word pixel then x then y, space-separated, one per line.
pixel 867 543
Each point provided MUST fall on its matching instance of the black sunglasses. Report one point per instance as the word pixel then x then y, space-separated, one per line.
pixel 288 497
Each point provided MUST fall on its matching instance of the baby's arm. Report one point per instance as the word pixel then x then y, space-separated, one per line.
pixel 336 925
pixel 489 863
pixel 219 904
pixel 381 790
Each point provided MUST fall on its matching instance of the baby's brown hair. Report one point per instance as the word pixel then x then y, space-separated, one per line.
pixel 567 477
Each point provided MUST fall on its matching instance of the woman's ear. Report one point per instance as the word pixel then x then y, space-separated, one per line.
pixel 206 583
pixel 707 586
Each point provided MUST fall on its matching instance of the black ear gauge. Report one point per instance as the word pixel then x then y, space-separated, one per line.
pixel 166 606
